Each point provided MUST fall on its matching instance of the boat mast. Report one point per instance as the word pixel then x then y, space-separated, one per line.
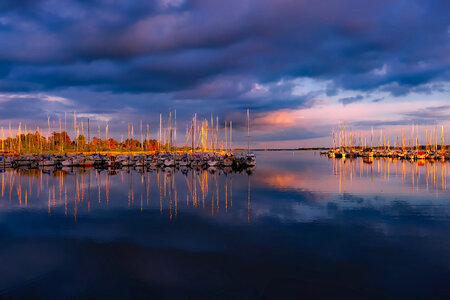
pixel 132 136
pixel 339 139
pixel 89 136
pixel 142 138
pixel 147 138
pixel 216 139
pixel 175 131
pixel 160 124
pixel 226 137
pixel 106 137
pixel 20 140
pixel 193 133
pixel 403 140
pixel 74 128
pixel 231 136
pixel 100 137
pixel 170 130
pixel 371 139
pixel 195 129
pixel 248 130
pixel 60 136
pixel 65 128
pixel 212 133
pixel 345 136
pixel 435 136
pixel 194 125
pixel 10 137
pixel 82 133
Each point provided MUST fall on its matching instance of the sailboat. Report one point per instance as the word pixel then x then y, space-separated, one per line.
pixel 227 161
pixel 47 161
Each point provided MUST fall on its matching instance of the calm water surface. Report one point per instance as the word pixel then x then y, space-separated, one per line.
pixel 298 226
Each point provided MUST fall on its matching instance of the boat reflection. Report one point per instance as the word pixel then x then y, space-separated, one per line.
pixel 75 190
pixel 355 176
pixel 218 192
pixel 419 175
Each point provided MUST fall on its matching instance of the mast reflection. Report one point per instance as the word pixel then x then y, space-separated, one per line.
pixel 424 174
pixel 69 190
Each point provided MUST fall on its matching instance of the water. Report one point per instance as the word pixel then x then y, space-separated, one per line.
pixel 299 225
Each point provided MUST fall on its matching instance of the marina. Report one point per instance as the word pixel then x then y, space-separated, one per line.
pixel 28 150
pixel 351 145
pixel 206 149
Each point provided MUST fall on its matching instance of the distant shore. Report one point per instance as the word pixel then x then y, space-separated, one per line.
pixel 292 149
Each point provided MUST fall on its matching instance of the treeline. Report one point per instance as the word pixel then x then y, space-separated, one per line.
pixel 32 143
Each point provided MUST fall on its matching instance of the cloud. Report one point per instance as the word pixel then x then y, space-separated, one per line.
pixel 380 123
pixel 171 45
pixel 57 99
pixel 349 100
pixel 95 117
pixel 433 113
pixel 134 59
pixel 36 97
pixel 278 119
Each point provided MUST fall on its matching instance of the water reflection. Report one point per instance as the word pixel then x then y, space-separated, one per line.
pixel 418 175
pixel 80 190
pixel 357 176
pixel 84 189
pixel 300 224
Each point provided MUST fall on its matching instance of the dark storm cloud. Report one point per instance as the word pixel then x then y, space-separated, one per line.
pixel 167 46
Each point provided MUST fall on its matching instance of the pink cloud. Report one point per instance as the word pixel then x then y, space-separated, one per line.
pixel 281 118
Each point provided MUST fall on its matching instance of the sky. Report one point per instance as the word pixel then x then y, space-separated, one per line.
pixel 300 66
